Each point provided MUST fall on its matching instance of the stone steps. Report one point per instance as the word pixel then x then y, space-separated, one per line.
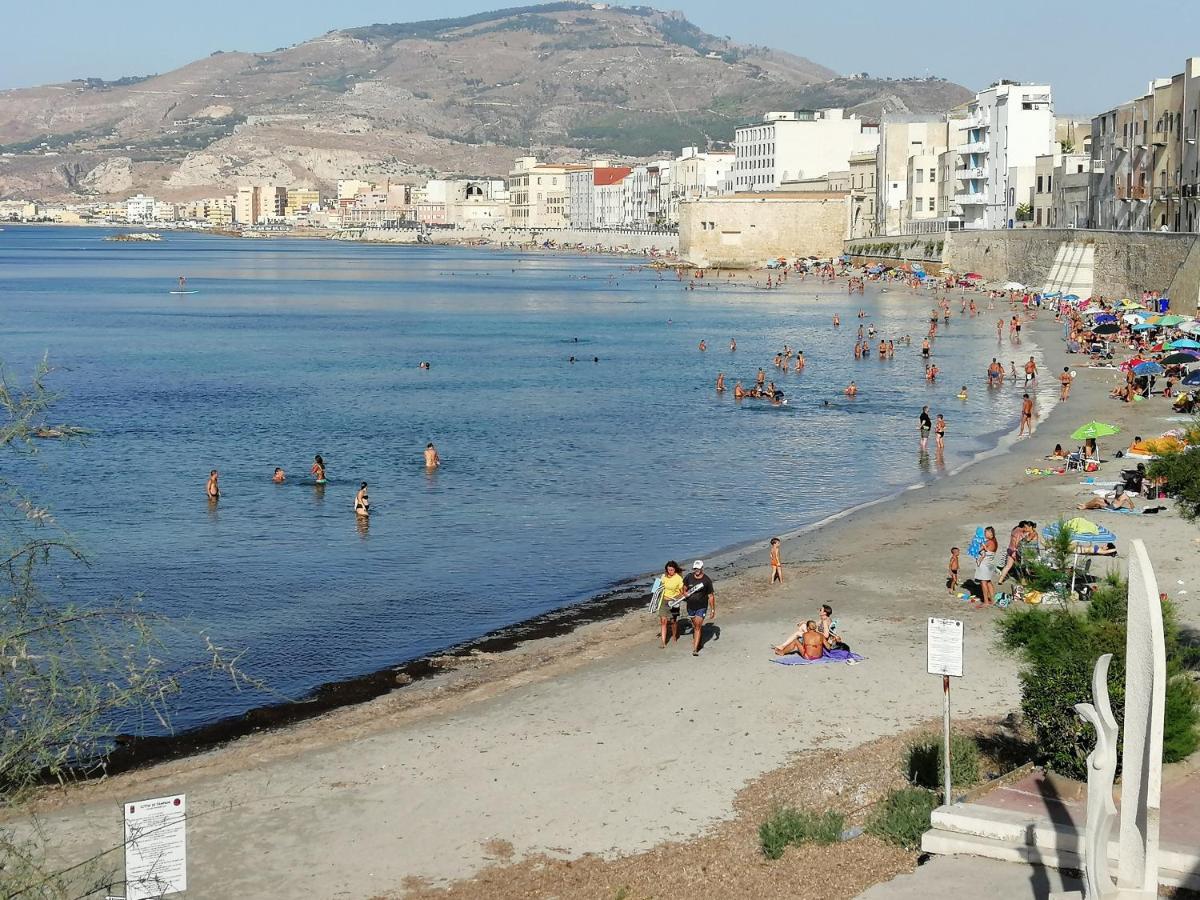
pixel 1073 270
pixel 977 830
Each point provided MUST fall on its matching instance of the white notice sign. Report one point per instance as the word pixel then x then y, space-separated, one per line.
pixel 945 647
pixel 155 847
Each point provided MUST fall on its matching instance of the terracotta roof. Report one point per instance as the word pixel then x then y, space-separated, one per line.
pixel 610 175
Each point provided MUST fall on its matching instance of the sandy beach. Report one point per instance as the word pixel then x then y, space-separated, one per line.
pixel 600 742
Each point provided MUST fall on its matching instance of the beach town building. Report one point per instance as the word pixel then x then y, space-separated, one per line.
pixel 301 199
pixel 538 193
pixel 139 209
pixel 792 146
pixel 18 210
pixel 596 195
pixel 246 204
pixel 862 194
pixel 477 202
pixel 1006 128
pixel 695 174
pixel 1145 159
pixel 751 229
pixel 906 172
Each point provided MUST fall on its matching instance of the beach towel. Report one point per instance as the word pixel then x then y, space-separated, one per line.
pixel 829 656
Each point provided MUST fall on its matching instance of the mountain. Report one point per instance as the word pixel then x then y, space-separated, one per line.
pixel 461 95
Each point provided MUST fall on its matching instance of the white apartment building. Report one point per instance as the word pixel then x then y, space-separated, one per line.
pixel 595 195
pixel 1007 127
pixel 139 209
pixel 794 146
pixel 695 174
pixel 646 196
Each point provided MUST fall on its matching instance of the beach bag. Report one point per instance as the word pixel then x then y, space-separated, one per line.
pixel 656 591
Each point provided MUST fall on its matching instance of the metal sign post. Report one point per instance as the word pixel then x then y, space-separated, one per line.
pixel 945 658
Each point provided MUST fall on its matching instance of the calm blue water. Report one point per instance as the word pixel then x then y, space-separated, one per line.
pixel 558 480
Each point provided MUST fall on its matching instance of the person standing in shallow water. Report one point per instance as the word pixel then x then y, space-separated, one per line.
pixel 318 469
pixel 213 490
pixel 362 503
pixel 432 459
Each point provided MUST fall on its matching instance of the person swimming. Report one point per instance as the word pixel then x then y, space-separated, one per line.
pixel 362 503
pixel 962 394
pixel 280 476
pixel 852 390
pixel 318 469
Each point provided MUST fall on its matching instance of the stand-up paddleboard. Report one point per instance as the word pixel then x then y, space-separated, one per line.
pixel 185 292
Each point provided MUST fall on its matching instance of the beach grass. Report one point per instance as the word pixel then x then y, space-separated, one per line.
pixel 924 761
pixel 788 826
pixel 903 816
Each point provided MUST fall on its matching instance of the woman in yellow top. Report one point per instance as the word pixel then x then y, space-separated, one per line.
pixel 672 590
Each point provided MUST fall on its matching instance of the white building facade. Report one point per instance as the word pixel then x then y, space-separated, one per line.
pixel 1006 128
pixel 794 146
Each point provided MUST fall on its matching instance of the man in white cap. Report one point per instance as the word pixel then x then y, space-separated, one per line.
pixel 701 601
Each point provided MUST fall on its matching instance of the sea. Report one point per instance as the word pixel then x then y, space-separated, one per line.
pixel 560 479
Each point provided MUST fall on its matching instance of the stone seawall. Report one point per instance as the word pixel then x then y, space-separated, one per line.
pixel 1121 264
pixel 603 240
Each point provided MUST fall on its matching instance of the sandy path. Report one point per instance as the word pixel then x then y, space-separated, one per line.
pixel 601 741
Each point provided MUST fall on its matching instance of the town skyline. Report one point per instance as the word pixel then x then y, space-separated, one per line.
pixel 50 53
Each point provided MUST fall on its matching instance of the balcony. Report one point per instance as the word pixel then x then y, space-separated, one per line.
pixel 973 147
pixel 971 173
pixel 973 121
pixel 979 199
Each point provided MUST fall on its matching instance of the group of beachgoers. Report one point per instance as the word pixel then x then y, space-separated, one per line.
pixel 362 501
pixel 675 593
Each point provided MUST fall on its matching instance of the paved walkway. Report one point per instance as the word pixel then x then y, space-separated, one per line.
pixel 1064 803
pixel 973 878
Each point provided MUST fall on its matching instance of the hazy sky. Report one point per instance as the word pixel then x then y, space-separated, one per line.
pixel 972 43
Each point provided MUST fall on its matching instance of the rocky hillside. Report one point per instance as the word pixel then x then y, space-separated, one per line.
pixel 452 95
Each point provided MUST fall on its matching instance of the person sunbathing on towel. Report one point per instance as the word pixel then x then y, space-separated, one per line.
pixel 1114 499
pixel 809 643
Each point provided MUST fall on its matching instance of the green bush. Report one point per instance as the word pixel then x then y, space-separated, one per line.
pixel 924 761
pixel 903 817
pixel 1181 469
pixel 1059 648
pixel 789 826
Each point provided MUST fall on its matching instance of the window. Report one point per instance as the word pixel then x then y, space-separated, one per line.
pixel 1049 184
pixel 1039 184
pixel 932 205
pixel 920 205
pixel 920 176
pixel 1037 216
pixel 932 175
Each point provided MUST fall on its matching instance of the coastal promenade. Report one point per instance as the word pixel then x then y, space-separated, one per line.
pixel 599 742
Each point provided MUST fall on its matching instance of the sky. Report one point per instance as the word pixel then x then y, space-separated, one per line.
pixel 973 44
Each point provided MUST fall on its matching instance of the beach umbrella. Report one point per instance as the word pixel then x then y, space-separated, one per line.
pixel 1013 286
pixel 1184 344
pixel 1133 318
pixel 1192 379
pixel 1105 317
pixel 1180 358
pixel 1083 531
pixel 1148 368
pixel 973 276
pixel 1190 327
pixel 1171 320
pixel 1071 298
pixel 1145 326
pixel 1126 303
pixel 1094 430
pixel 1107 328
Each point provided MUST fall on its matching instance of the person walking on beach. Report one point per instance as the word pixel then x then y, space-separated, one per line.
pixel 668 604
pixel 1030 372
pixel 213 490
pixel 925 426
pixel 776 564
pixel 1026 415
pixel 939 432
pixel 701 601
pixel 1065 378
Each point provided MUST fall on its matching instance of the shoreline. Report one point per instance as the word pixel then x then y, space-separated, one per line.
pixel 624 597
pixel 579 744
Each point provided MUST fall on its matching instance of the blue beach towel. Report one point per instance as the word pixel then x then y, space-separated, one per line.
pixel 829 656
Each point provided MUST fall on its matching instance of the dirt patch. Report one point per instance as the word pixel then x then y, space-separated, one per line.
pixel 727 861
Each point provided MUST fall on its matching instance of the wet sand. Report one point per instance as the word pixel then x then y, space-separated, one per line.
pixel 600 741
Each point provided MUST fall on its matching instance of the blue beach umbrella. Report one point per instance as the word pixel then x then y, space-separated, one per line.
pixel 1084 531
pixel 1071 297
pixel 1148 368
pixel 1145 326
pixel 1105 317
pixel 1183 344
pixel 1192 379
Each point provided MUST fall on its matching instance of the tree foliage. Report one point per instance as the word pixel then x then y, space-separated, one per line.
pixel 1181 469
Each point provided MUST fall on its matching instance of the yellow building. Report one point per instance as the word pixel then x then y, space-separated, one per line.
pixel 302 200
